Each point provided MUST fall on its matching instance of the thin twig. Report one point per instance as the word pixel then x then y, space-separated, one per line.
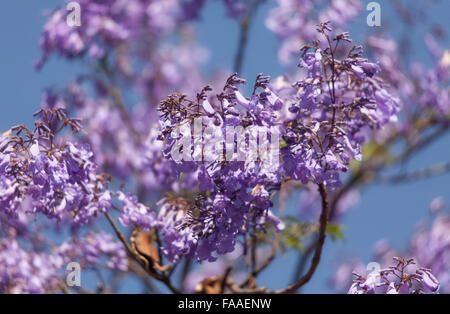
pixel 303 258
pixel 257 270
pixel 185 270
pixel 323 221
pixel 161 277
pixel 254 242
pixel 243 37
pixel 422 143
pixel 121 237
pixel 416 175
pixel 64 287
pixel 226 274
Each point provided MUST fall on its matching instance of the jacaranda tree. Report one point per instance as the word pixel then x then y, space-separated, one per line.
pixel 147 167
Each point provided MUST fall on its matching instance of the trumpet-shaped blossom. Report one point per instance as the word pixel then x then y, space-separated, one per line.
pixel 39 176
pixel 404 277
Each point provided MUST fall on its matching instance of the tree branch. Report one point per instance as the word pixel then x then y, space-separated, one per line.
pixel 243 37
pixel 416 175
pixel 303 258
pixel 161 277
pixel 121 237
pixel 323 221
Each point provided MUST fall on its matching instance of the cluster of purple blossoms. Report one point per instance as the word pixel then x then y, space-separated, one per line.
pixel 322 120
pixel 115 34
pixel 135 213
pixel 293 21
pixel 332 109
pixel 404 277
pixel 171 68
pixel 231 197
pixel 93 249
pixel 37 175
pixel 106 24
pixel 30 271
pixel 429 247
pixel 27 271
pixel 123 140
pixel 424 92
pixel 106 127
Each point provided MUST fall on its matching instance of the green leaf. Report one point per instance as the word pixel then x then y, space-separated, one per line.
pixel 335 231
pixel 295 232
pixel 369 151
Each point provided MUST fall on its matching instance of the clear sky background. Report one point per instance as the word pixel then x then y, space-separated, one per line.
pixel 385 211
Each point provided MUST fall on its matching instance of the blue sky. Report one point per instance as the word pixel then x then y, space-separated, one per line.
pixel 391 212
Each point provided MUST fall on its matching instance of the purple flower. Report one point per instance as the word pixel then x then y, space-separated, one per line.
pixel 106 24
pixel 238 199
pixel 294 21
pixel 91 250
pixel 59 182
pixel 429 282
pixel 404 277
pixel 27 271
pixel 329 120
pixel 135 213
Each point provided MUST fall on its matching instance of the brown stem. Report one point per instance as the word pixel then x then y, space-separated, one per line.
pixel 416 175
pixel 258 269
pixel 223 284
pixel 243 37
pixel 121 237
pixel 160 277
pixel 303 259
pixel 323 221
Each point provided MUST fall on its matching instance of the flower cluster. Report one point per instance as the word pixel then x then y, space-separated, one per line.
pixel 423 90
pixel 293 21
pixel 39 176
pixel 233 195
pixel 106 24
pixel 429 246
pixel 27 271
pixel 92 249
pixel 333 107
pixel 124 141
pixel 135 213
pixel 322 120
pixel 404 277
